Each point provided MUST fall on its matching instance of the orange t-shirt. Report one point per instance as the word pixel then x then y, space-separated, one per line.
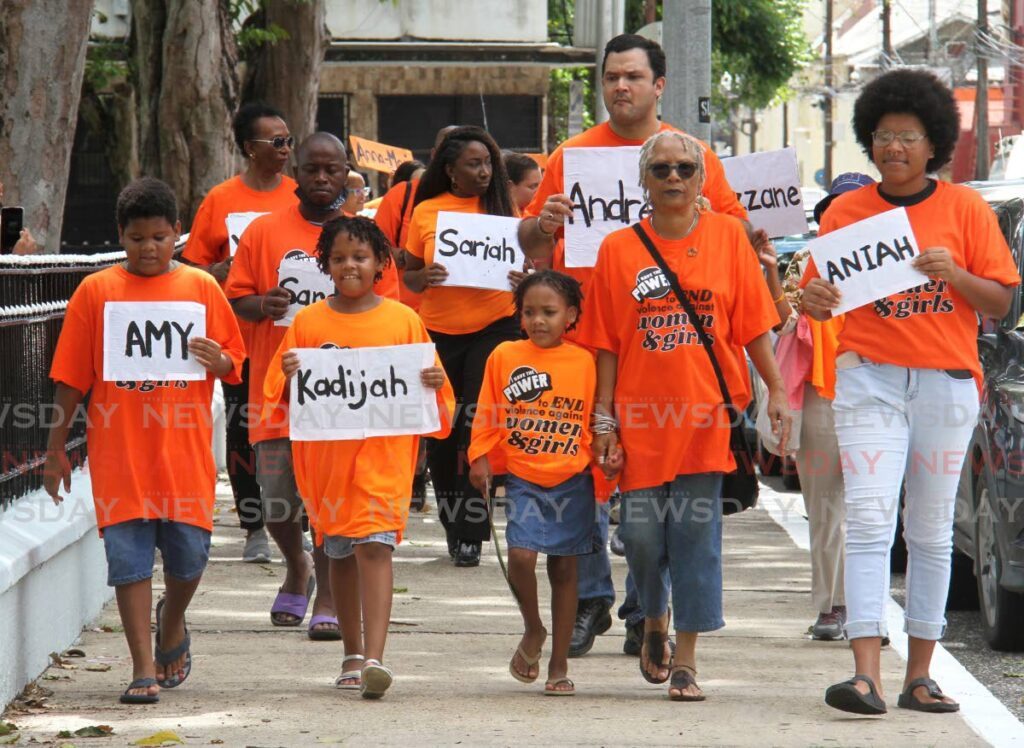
pixel 666 395
pixel 149 442
pixel 716 186
pixel 534 411
pixel 448 309
pixel 930 326
pixel 355 488
pixel 395 224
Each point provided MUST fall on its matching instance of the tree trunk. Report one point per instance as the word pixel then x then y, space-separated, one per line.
pixel 41 66
pixel 286 75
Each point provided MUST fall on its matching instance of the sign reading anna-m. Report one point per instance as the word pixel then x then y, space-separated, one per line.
pixel 478 251
pixel 768 187
pixel 869 260
pixel 355 393
pixel 603 184
pixel 149 340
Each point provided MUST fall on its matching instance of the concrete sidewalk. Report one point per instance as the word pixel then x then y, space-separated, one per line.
pixel 452 634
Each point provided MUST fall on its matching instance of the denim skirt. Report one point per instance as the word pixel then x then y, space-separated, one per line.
pixel 559 521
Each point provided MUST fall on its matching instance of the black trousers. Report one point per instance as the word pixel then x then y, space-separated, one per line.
pixel 241 458
pixel 463 510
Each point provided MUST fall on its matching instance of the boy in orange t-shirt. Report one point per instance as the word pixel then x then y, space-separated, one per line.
pixel 150 458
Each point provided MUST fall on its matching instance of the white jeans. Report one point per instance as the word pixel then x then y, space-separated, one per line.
pixel 893 422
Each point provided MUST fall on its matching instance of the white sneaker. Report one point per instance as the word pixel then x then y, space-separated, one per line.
pixel 257 547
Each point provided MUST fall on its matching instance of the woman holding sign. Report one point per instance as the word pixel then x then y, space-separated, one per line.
pixel 659 395
pixel 907 370
pixel 466 175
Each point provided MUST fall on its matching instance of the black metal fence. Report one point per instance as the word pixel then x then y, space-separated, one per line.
pixel 34 292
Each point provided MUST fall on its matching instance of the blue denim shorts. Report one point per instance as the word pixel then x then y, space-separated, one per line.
pixel 131 550
pixel 558 521
pixel 340 546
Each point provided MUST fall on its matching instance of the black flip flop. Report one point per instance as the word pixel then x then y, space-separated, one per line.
pixel 140 698
pixel 907 700
pixel 683 678
pixel 654 640
pixel 845 697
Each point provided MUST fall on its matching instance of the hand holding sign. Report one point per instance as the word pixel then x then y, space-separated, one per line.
pixel 209 355
pixel 275 303
pixel 937 262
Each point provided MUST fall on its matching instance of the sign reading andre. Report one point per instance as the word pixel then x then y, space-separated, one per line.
pixel 478 251
pixel 149 340
pixel 869 260
pixel 355 393
pixel 768 187
pixel 377 156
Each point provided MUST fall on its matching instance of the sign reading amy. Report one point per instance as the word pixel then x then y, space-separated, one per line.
pixel 869 260
pixel 377 156
pixel 768 187
pixel 148 340
pixel 237 223
pixel 301 276
pixel 603 184
pixel 354 393
pixel 477 251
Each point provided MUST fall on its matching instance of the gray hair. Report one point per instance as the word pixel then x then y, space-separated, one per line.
pixel 691 147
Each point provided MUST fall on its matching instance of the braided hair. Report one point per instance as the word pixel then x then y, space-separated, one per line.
pixel 360 229
pixel 564 285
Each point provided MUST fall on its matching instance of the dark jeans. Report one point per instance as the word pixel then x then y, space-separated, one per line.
pixel 241 458
pixel 463 510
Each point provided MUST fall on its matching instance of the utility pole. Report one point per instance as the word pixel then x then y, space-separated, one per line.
pixel 933 34
pixel 686 33
pixel 981 99
pixel 887 30
pixel 826 103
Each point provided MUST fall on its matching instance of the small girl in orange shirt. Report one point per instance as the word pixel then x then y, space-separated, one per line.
pixel 533 420
pixel 356 492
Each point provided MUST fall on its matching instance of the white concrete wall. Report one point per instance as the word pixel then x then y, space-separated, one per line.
pixel 53 575
pixel 449 20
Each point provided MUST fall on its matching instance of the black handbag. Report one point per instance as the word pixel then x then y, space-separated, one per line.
pixel 740 487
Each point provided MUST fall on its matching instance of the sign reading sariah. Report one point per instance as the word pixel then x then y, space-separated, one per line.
pixel 603 184
pixel 869 260
pixel 478 251
pixel 355 393
pixel 301 276
pixel 377 156
pixel 768 187
pixel 148 340
pixel 237 223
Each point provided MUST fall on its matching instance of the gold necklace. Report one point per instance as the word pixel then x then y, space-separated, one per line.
pixel 693 224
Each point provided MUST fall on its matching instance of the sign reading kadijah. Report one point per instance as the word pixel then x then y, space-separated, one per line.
pixel 301 276
pixel 355 393
pixel 377 156
pixel 768 187
pixel 869 260
pixel 148 340
pixel 604 187
pixel 478 251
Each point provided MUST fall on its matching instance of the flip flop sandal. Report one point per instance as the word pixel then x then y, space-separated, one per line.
pixel 292 604
pixel 323 635
pixel 554 691
pixel 530 662
pixel 140 698
pixel 655 640
pixel 845 697
pixel 683 678
pixel 350 680
pixel 907 700
pixel 166 658
pixel 376 679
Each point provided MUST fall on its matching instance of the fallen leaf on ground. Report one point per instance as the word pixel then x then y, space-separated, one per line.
pixel 164 737
pixel 11 739
pixel 97 667
pixel 216 741
pixel 6 728
pixel 89 731
pixel 56 676
pixel 400 590
pixel 57 660
pixel 1013 675
pixel 33 696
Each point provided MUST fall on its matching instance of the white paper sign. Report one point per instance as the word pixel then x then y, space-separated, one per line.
pixel 477 251
pixel 869 260
pixel 237 223
pixel 148 340
pixel 603 184
pixel 768 187
pixel 355 393
pixel 304 280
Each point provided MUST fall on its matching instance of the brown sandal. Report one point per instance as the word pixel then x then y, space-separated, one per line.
pixel 681 680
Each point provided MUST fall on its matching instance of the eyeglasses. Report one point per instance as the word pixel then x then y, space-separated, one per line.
pixel 277 143
pixel 367 191
pixel 908 138
pixel 685 169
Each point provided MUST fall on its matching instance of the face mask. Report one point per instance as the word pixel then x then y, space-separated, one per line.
pixel 339 201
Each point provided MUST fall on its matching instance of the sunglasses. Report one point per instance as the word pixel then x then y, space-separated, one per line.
pixel 685 169
pixel 277 143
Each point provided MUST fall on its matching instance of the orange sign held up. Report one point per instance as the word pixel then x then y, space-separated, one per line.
pixel 377 156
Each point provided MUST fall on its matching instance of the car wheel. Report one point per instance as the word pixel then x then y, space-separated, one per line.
pixel 1001 610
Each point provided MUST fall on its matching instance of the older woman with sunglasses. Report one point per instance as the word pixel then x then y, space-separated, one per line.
pixel 659 400
pixel 907 374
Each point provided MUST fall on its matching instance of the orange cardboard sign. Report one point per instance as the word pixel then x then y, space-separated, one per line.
pixel 377 156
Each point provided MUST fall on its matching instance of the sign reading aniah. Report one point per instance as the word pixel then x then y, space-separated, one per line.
pixel 355 393
pixel 604 186
pixel 148 340
pixel 377 156
pixel 768 187
pixel 478 251
pixel 869 260
pixel 237 223
pixel 301 276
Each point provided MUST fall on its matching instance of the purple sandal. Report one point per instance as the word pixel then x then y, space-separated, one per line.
pixel 323 635
pixel 292 604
